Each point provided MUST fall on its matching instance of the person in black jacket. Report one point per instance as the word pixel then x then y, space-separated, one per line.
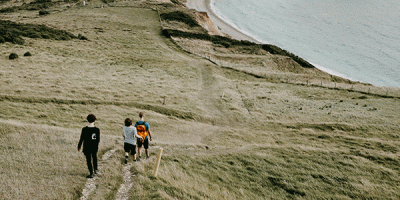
pixel 90 137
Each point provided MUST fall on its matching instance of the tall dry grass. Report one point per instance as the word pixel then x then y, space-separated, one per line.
pixel 226 133
pixel 41 161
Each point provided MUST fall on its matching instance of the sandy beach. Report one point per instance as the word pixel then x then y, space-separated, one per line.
pixel 204 6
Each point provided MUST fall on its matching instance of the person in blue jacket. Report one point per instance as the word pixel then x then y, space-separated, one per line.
pixel 143 129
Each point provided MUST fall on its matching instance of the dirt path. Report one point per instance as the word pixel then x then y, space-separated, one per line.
pixel 123 192
pixel 91 183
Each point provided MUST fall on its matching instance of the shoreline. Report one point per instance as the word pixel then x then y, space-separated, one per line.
pixel 230 31
pixel 223 26
pixel 233 32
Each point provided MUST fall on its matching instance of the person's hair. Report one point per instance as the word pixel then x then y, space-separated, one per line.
pixel 141 114
pixel 128 122
pixel 91 118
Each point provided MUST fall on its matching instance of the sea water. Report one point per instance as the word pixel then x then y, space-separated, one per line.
pixel 354 39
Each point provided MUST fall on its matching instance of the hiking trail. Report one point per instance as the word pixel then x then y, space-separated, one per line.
pixel 90 185
pixel 123 192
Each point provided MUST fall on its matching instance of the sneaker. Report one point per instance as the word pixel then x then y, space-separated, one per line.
pixel 126 160
pixel 89 176
pixel 147 157
pixel 134 160
pixel 96 171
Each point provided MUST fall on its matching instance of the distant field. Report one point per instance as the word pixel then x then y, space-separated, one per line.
pixel 227 132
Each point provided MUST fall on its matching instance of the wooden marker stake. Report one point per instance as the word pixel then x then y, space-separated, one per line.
pixel 158 162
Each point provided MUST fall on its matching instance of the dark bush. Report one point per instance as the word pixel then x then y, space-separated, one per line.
pixel 46 36
pixel 34 35
pixel 181 17
pixel 64 38
pixel 226 44
pixel 108 1
pixel 2 40
pixel 81 37
pixel 177 2
pixel 34 5
pixel 3 1
pixel 44 12
pixel 18 40
pixel 13 56
pixel 42 1
pixel 28 54
pixel 12 31
pixel 9 9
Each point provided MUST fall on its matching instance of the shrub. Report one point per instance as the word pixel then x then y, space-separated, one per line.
pixel 63 38
pixel 12 31
pixel 42 1
pixel 177 2
pixel 46 36
pixel 44 12
pixel 9 9
pixel 28 54
pixel 3 1
pixel 34 5
pixel 226 44
pixel 34 35
pixel 13 56
pixel 18 40
pixel 81 37
pixel 181 17
pixel 2 40
pixel 108 1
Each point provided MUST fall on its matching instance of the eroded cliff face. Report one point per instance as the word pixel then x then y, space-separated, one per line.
pixel 204 20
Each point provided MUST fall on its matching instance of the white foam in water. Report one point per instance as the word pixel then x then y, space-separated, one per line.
pixel 355 39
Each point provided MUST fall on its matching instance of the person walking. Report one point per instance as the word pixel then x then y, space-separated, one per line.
pixel 130 135
pixel 143 129
pixel 90 137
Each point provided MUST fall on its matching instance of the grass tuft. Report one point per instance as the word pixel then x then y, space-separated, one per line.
pixel 13 56
pixel 27 54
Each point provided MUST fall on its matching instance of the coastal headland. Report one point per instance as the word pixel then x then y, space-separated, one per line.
pixel 235 119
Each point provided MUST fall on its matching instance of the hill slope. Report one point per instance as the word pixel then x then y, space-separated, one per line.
pixel 236 130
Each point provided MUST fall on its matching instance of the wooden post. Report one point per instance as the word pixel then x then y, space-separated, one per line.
pixel 158 162
pixel 164 100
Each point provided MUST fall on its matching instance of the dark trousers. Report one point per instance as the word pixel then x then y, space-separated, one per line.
pixel 89 157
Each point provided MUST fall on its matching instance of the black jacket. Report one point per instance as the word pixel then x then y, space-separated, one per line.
pixel 90 137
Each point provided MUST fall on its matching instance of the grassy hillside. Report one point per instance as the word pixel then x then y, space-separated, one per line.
pixel 237 122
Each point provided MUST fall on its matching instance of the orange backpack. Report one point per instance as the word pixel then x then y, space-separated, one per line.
pixel 141 130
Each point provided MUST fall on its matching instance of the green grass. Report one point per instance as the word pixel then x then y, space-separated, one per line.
pixel 233 132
